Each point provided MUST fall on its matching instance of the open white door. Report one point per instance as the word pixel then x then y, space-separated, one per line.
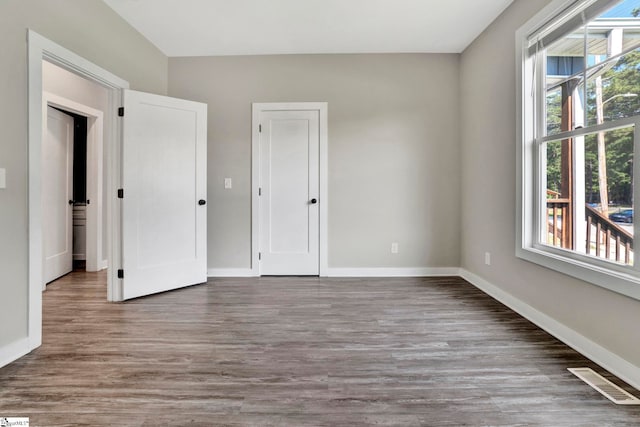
pixel 57 192
pixel 164 215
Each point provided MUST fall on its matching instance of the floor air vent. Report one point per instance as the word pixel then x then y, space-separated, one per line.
pixel 605 387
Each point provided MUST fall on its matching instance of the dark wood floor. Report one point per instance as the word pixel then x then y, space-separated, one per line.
pixel 298 351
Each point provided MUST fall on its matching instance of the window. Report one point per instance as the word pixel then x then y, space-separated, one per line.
pixel 580 136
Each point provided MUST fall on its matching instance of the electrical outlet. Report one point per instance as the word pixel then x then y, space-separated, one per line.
pixel 487 258
pixel 227 183
pixel 394 248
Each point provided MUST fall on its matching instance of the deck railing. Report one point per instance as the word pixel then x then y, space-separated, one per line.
pixel 604 238
pixel 559 212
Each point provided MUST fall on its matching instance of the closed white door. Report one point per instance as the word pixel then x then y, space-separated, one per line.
pixel 57 193
pixel 164 209
pixel 289 185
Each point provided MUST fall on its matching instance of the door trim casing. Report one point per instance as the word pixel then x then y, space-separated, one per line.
pixel 322 109
pixel 39 49
pixel 95 132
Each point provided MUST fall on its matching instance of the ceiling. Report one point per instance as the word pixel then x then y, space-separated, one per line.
pixel 264 27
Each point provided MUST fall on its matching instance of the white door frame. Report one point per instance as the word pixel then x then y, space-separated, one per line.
pixel 39 49
pixel 94 172
pixel 257 108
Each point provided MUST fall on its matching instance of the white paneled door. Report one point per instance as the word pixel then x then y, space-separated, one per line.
pixel 57 195
pixel 289 186
pixel 164 209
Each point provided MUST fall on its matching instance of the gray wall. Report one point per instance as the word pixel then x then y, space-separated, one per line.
pixel 488 99
pixel 400 168
pixel 92 30
pixel 393 150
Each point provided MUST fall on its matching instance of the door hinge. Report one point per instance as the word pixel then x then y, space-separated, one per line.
pixel 121 112
pixel 259 128
pixel 260 191
pixel 120 193
pixel 259 256
pixel 121 274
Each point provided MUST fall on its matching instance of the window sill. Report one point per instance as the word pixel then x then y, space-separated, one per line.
pixel 621 282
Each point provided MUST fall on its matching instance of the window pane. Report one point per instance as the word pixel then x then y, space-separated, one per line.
pixel 611 38
pixel 554 110
pixel 569 46
pixel 564 73
pixel 613 89
pixel 580 217
pixel 613 92
pixel 564 106
pixel 558 230
pixel 613 32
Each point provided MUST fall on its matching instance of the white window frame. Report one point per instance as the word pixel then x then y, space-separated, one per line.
pixel 530 159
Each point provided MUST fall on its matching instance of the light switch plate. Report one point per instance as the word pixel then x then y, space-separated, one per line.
pixel 227 183
pixel 3 178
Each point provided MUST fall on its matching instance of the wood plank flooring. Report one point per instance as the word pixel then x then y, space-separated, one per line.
pixel 297 352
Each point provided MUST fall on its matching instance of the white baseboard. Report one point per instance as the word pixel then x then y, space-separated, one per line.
pixel 14 351
pixel 593 351
pixel 350 272
pixel 230 272
pixel 393 272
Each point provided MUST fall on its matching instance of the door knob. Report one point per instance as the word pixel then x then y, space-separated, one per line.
pixel 202 202
pixel 314 201
pixel 71 202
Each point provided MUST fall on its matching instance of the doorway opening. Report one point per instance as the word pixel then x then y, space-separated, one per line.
pixel 156 125
pixel 72 188
pixel 76 98
pixel 289 189
pixel 79 200
pixel 40 52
